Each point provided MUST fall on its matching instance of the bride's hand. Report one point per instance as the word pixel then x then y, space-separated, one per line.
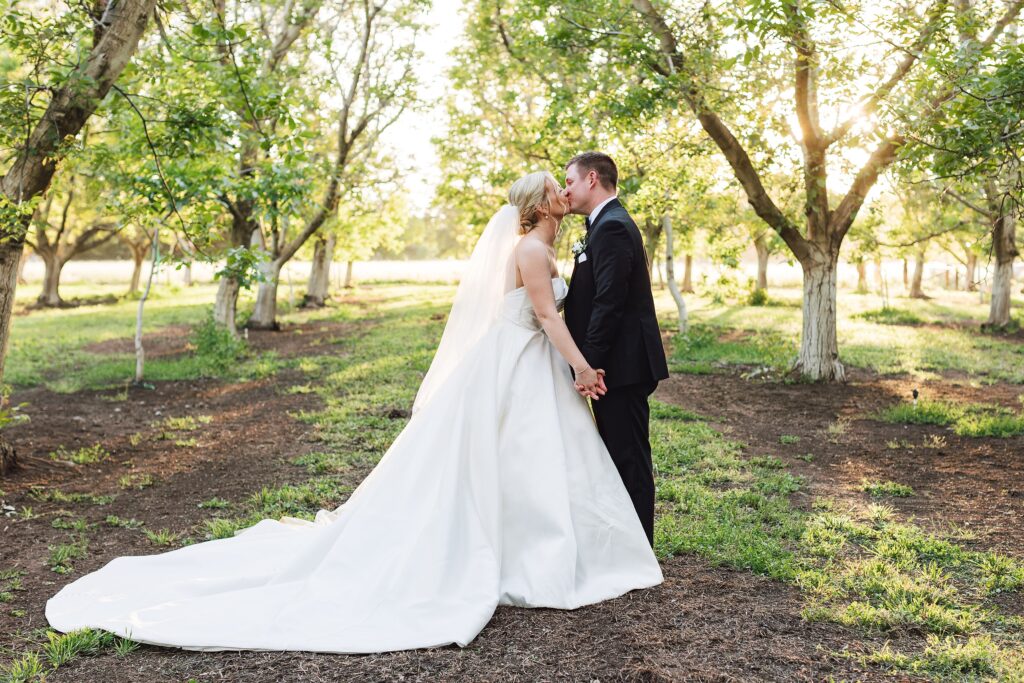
pixel 590 383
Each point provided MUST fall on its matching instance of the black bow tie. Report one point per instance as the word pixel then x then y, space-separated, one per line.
pixel 586 223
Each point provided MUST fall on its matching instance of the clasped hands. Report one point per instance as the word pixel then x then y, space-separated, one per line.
pixel 590 383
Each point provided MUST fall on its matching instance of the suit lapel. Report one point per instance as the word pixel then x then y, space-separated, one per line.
pixel 593 229
pixel 600 217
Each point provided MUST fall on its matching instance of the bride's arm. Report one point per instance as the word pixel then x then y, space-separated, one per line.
pixel 532 259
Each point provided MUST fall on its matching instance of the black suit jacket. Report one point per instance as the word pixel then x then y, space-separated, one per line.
pixel 609 309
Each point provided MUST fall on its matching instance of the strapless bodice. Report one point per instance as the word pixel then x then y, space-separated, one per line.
pixel 519 309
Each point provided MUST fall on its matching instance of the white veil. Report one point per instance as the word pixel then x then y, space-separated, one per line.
pixel 478 300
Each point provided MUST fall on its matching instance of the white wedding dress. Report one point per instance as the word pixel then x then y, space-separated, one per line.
pixel 498 491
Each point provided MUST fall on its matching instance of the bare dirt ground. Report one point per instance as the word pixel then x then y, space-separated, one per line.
pixel 702 624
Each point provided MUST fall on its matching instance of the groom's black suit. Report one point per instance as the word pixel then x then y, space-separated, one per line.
pixel 609 311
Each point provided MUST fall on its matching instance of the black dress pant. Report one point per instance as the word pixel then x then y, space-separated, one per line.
pixel 622 417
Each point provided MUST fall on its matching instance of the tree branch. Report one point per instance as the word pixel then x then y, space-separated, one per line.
pixel 719 132
pixel 869 104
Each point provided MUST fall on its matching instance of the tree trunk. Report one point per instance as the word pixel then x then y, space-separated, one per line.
pixel 8 457
pixel 761 245
pixel 972 272
pixel 819 348
pixel 138 257
pixel 264 316
pixel 652 233
pixel 140 351
pixel 670 275
pixel 71 104
pixel 10 254
pixel 320 272
pixel 348 275
pixel 916 292
pixel 906 274
pixel 225 304
pixel 688 274
pixel 862 277
pixel 21 267
pixel 50 296
pixel 1005 248
pixel 879 278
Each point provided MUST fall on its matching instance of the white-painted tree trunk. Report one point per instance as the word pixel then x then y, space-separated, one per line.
pixel 670 276
pixel 688 274
pixel 761 246
pixel 916 290
pixel 21 267
pixel 348 275
pixel 140 351
pixel 972 272
pixel 320 272
pixel 264 316
pixel 225 304
pixel 819 348
pixel 999 308
pixel 52 265
pixel 1005 247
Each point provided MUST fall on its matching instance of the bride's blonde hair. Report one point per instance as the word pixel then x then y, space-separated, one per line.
pixel 528 194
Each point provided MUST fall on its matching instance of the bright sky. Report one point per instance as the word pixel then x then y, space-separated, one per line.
pixel 410 136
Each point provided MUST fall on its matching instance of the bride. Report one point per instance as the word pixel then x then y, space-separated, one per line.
pixel 498 491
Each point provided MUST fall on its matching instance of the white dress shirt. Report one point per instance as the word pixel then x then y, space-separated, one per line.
pixel 597 209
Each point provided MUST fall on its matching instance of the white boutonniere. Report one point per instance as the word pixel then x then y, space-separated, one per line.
pixel 578 246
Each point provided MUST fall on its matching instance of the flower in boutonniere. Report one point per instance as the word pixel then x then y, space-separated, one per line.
pixel 578 246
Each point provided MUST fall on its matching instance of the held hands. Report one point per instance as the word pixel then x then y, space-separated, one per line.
pixel 590 383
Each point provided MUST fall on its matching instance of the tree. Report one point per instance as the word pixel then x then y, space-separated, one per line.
pixel 58 244
pixel 375 88
pixel 108 36
pixel 721 62
pixel 979 144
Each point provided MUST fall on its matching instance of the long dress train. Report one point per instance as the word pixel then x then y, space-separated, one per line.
pixel 499 491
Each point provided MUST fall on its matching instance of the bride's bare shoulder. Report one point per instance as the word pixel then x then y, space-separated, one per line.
pixel 531 249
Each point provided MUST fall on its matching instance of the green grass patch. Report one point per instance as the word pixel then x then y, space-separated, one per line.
pixel 57 496
pixel 886 488
pixel 974 419
pixel 86 455
pixel 890 316
pixel 63 555
pixel 121 523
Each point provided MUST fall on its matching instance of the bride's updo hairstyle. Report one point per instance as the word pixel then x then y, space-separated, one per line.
pixel 528 194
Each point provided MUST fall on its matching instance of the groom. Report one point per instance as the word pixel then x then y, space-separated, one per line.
pixel 609 311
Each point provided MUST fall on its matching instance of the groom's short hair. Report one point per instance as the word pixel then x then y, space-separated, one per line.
pixel 601 164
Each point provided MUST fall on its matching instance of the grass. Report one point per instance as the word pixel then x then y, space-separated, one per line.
pixel 86 455
pixel 135 481
pixel 946 336
pixel 63 555
pixel 57 496
pixel 115 521
pixel 163 537
pixel 890 316
pixel 973 420
pixel 860 567
pixel 886 488
pixel 51 347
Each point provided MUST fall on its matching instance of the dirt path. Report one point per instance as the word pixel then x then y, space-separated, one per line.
pixel 702 624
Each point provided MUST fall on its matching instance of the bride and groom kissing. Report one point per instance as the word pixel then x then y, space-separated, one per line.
pixel 506 487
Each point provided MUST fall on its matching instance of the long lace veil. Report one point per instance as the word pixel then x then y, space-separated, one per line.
pixel 478 299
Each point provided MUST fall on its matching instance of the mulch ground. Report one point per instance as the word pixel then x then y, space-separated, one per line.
pixel 702 624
